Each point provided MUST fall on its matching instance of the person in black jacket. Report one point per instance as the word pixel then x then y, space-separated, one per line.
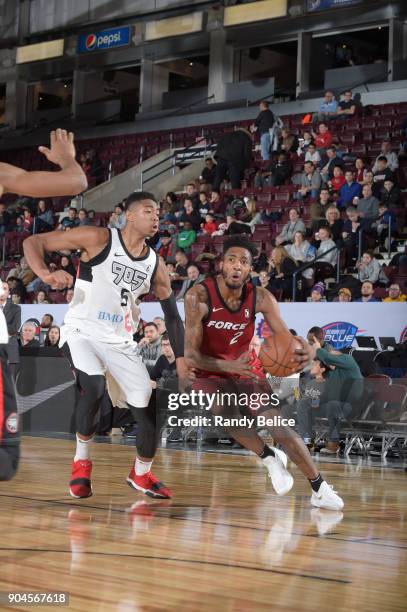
pixel 264 123
pixel 390 194
pixel 233 154
pixel 12 314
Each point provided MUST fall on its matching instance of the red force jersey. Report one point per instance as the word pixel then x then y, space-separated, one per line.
pixel 227 333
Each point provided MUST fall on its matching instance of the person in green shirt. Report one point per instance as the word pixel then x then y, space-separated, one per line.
pixel 186 237
pixel 343 390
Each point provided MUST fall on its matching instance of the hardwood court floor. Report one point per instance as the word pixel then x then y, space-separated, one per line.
pixel 226 542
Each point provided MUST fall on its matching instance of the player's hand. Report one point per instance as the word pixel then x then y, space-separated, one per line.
pixel 62 151
pixel 242 367
pixel 58 280
pixel 183 373
pixel 303 355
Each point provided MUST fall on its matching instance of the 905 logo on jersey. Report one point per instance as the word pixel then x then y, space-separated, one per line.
pixel 134 278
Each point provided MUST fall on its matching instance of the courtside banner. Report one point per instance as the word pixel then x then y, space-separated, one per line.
pixel 342 322
pixel 320 5
pixel 104 40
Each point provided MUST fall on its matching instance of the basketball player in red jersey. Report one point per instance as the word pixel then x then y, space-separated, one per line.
pixel 70 180
pixel 220 318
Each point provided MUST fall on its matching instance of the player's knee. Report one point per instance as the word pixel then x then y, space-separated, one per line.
pixel 93 386
pixel 9 458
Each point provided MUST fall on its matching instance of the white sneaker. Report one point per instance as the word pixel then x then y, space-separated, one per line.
pixel 281 479
pixel 326 498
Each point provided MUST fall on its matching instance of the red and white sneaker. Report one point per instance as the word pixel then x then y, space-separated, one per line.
pixel 148 484
pixel 80 484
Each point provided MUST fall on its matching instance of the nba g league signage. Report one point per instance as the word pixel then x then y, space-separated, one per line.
pixel 104 40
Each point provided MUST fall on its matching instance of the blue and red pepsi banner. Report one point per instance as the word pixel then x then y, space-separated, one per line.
pixel 321 5
pixel 104 40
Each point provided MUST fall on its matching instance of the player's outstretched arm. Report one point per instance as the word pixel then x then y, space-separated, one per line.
pixel 87 239
pixel 71 179
pixel 173 322
pixel 196 309
pixel 267 304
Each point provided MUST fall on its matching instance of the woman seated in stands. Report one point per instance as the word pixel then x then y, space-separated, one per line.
pixel 52 336
pixel 251 217
pixel 332 221
pixel 282 268
pixel 325 265
pixel 369 269
pixel 302 251
pixel 44 221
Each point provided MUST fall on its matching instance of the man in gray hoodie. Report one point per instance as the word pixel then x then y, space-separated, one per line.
pixel 368 206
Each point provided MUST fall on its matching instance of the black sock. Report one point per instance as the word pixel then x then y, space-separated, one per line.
pixel 267 452
pixel 316 482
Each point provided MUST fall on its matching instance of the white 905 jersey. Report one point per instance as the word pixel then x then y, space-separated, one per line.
pixel 104 304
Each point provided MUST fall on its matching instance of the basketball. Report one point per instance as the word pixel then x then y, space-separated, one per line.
pixel 277 352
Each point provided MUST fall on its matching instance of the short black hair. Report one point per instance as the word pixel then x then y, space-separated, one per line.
pixel 240 241
pixel 165 337
pixel 265 103
pixel 47 314
pixel 151 324
pixel 325 374
pixel 138 196
pixel 382 158
pixel 317 331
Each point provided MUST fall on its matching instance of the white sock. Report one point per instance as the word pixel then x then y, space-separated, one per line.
pixel 142 467
pixel 82 449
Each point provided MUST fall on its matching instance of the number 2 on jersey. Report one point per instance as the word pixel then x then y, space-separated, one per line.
pixel 236 337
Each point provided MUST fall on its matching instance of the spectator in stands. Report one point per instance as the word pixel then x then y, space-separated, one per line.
pixel 235 226
pixel 96 170
pixel 164 376
pixel 382 174
pixel 85 163
pixel 392 159
pixel 317 293
pixel 40 298
pixel 69 295
pixel 70 221
pixel 186 237
pixel 233 155
pixel 190 215
pixel 395 294
pixel 323 138
pixel 302 252
pixel 46 321
pixel 350 234
pixel 52 336
pixel 149 348
pixel 67 266
pixel 192 193
pixel 344 295
pixel 117 218
pixel 252 216
pixel 282 269
pixel 209 226
pixel 326 244
pixel 44 221
pixel 28 220
pixel 367 293
pixel 288 143
pixel 318 209
pixel 16 298
pixel 27 335
pixel 312 155
pixel 26 275
pixel 350 189
pixel 194 277
pixel 332 221
pixel 368 205
pixel 83 217
pixel 263 280
pixel 337 181
pixel 346 107
pixel 390 194
pixel 310 182
pixel 295 224
pixel 369 269
pixel 386 217
pixel 360 171
pixel 218 205
pixel 327 108
pixel 276 174
pixel 167 247
pixel 208 173
pixel 5 219
pixel 304 144
pixel 204 204
pixel 327 171
pixel 264 122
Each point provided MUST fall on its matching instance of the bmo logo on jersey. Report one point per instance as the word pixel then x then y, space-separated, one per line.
pixel 130 276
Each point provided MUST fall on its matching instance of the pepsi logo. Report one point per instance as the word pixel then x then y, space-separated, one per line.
pixel 91 41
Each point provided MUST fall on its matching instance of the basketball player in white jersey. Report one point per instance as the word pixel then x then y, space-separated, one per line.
pixel 116 269
pixel 70 180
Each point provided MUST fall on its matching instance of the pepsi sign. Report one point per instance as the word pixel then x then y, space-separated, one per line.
pixel 340 334
pixel 106 39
